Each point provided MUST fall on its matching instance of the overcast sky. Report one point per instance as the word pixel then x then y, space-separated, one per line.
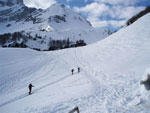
pixel 101 13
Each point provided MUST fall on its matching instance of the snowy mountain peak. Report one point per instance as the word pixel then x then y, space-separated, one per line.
pixel 57 9
pixel 61 17
pixel 57 6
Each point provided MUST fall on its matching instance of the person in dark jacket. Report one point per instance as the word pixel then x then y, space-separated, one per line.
pixel 78 70
pixel 30 88
pixel 72 71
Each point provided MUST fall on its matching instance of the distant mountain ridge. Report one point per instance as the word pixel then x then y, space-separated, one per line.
pixel 37 28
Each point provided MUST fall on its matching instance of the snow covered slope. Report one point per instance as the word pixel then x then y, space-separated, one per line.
pixel 54 23
pixel 111 71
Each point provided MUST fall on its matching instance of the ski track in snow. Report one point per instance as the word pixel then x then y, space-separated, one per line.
pixel 36 90
pixel 23 71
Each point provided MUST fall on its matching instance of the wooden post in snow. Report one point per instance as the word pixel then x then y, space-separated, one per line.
pixel 75 109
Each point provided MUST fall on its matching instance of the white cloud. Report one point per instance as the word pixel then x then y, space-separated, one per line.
pixel 39 3
pixel 127 12
pixel 93 9
pixel 68 7
pixel 116 24
pixel 130 11
pixel 116 14
pixel 117 2
pixel 97 22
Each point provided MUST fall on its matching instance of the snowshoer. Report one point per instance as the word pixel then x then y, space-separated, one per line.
pixel 146 82
pixel 78 70
pixel 72 71
pixel 30 88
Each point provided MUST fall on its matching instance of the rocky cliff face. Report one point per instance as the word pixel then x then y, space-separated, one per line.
pixel 10 2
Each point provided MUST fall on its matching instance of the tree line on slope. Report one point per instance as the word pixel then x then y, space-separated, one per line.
pixel 20 39
pixel 139 15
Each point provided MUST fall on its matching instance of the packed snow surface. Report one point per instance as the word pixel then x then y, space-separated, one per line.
pixel 109 81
